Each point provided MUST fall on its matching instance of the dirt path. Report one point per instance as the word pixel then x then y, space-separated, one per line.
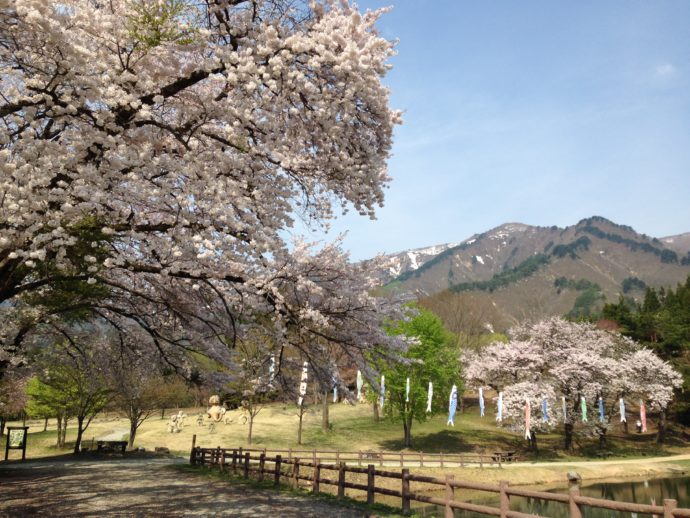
pixel 140 488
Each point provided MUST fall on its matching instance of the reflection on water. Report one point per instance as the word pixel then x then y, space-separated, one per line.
pixel 643 492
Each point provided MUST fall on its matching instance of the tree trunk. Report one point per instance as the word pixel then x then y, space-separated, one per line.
pixel 163 413
pixel 63 435
pixel 299 430
pixel 407 428
pixel 661 429
pixel 325 424
pixel 80 431
pixel 59 430
pixel 376 410
pixel 533 442
pixel 132 431
pixel 568 429
pixel 2 425
pixel 625 427
pixel 251 426
pixel 45 424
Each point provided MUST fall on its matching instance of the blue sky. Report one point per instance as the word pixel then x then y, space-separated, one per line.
pixel 540 112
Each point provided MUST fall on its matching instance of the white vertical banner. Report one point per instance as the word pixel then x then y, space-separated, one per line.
pixel 303 383
pixel 499 408
pixel 360 384
pixel 272 368
pixel 429 397
pixel 565 410
pixel 407 391
pixel 335 394
pixel 621 407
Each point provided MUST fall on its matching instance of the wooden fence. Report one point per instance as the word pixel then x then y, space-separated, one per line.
pixel 290 471
pixel 389 458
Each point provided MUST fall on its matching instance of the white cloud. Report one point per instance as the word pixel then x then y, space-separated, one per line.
pixel 665 69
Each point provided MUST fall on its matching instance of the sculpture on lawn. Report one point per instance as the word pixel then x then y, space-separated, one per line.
pixel 216 411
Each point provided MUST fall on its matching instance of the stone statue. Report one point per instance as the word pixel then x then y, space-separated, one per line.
pixel 216 411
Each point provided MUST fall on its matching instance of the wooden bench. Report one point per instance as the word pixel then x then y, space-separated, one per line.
pixel 504 456
pixel 106 446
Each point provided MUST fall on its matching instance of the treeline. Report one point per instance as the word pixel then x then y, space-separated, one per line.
pixel 661 321
pixel 499 280
pixel 666 255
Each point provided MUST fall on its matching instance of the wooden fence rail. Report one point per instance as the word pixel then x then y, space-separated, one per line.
pixel 289 470
pixel 392 459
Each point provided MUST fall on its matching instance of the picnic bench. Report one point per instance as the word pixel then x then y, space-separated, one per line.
pixel 107 446
pixel 504 456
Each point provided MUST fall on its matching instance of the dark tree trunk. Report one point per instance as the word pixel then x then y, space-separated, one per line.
pixel 532 442
pixel 661 429
pixel 132 431
pixel 407 428
pixel 45 424
pixel 163 413
pixel 376 410
pixel 80 431
pixel 602 437
pixel 2 425
pixel 568 428
pixel 625 427
pixel 59 430
pixel 325 424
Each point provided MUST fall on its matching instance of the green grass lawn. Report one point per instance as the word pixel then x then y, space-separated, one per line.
pixel 353 429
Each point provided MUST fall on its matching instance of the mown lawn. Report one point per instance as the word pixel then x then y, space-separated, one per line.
pixel 353 429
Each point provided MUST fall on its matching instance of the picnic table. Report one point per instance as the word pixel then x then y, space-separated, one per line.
pixel 504 456
pixel 104 446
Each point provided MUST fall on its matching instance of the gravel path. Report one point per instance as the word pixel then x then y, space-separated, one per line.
pixel 141 488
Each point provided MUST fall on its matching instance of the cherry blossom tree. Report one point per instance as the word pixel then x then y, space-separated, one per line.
pixel 556 359
pixel 155 154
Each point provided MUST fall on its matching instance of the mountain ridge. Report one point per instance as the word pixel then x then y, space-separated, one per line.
pixel 572 270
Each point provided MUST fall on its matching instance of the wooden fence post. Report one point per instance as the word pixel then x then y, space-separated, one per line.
pixel 450 496
pixel 246 465
pixel 504 498
pixel 276 473
pixel 317 477
pixel 669 505
pixel 313 456
pixel 234 462
pixel 405 490
pixel 575 511
pixel 217 459
pixel 359 458
pixel 402 459
pixel 262 464
pixel 421 459
pixel 370 484
pixel 192 456
pixel 341 480
pixel 295 473
pixel 441 459
pixel 337 456
pixel 222 461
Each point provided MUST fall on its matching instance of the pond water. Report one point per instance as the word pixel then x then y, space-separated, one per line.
pixel 639 491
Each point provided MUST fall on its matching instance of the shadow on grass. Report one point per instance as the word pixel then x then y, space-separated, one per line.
pixel 447 441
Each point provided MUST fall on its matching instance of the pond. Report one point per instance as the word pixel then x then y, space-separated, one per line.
pixel 638 491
